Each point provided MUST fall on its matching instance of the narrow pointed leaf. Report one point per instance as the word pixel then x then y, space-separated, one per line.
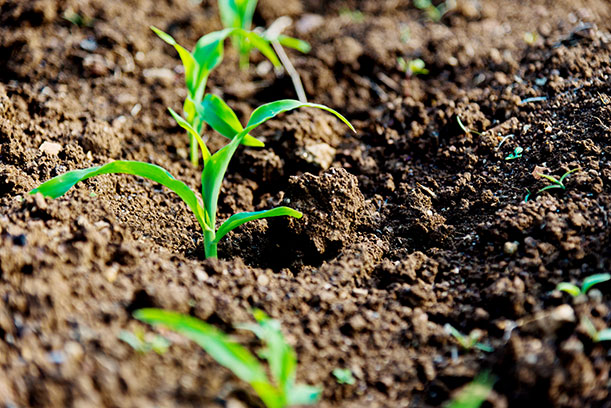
pixel 265 112
pixel 565 175
pixel 185 125
pixel 294 43
pixel 238 219
pixel 216 343
pixel 271 396
pixel 209 51
pixel 302 394
pixel 550 178
pixel 59 185
pixel 594 280
pixel 569 288
pixel 603 335
pixel 550 187
pixel 189 63
pixel 230 13
pixel 216 113
pixel 263 46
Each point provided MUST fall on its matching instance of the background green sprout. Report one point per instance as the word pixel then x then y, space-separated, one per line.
pixel 474 394
pixel 279 391
pixel 468 342
pixel 596 335
pixel 344 376
pixel 587 284
pixel 412 67
pixel 517 153
pixel 556 183
pixel 220 117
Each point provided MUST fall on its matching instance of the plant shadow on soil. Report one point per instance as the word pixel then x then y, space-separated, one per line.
pixel 408 225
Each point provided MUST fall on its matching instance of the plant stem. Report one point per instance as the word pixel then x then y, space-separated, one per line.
pixel 210 246
pixel 194 151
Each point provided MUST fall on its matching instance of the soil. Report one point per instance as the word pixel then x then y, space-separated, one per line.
pixel 410 224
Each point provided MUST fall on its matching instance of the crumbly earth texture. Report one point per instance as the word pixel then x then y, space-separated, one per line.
pixel 410 224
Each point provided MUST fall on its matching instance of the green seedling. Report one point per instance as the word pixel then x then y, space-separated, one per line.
pixel 468 342
pixel 465 129
pixel 279 391
pixel 198 64
pixel 517 153
pixel 344 376
pixel 143 343
pixel 556 183
pixel 587 284
pixel 474 394
pixel 596 335
pixel 223 119
pixel 435 13
pixel 412 67
pixel 354 15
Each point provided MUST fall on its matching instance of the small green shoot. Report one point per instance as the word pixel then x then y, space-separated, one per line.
pixel 344 376
pixel 468 342
pixel 555 182
pixel 77 19
pixel 474 394
pixel 354 15
pixel 464 128
pixel 517 153
pixel 435 13
pixel 216 113
pixel 279 391
pixel 412 67
pixel 528 193
pixel 143 343
pixel 596 335
pixel 587 284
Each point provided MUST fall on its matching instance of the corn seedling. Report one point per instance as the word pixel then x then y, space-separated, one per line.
pixel 468 342
pixel 517 153
pixel 555 182
pixel 587 284
pixel 412 67
pixel 596 335
pixel 474 394
pixel 143 343
pixel 279 391
pixel 223 119
pixel 344 376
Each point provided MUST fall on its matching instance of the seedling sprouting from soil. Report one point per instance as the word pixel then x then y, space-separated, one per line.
pixel 474 394
pixel 468 342
pixel 555 182
pixel 221 118
pixel 279 391
pixel 198 64
pixel 596 335
pixel 517 153
pixel 344 376
pixel 587 284
pixel 435 13
pixel 143 343
pixel 412 67
pixel 464 128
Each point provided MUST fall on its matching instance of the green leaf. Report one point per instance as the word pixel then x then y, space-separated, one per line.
pixel 216 343
pixel 230 13
pixel 265 112
pixel 216 113
pixel 191 66
pixel 551 178
pixel 302 394
pixel 295 43
pixel 263 46
pixel 569 288
pixel 344 376
pixel 238 219
pixel 565 175
pixel 208 54
pixel 271 396
pixel 474 394
pixel 185 125
pixel 59 185
pixel 550 187
pixel 594 280
pixel 603 335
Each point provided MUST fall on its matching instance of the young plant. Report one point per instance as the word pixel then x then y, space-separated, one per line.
pixel 221 118
pixel 468 342
pixel 435 13
pixel 198 64
pixel 412 67
pixel 587 284
pixel 474 394
pixel 596 335
pixel 556 183
pixel 517 153
pixel 344 376
pixel 279 391
pixel 465 129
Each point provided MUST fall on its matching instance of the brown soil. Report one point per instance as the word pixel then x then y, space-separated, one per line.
pixel 409 224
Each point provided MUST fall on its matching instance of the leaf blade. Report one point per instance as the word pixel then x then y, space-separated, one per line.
pixel 594 280
pixel 188 61
pixel 226 352
pixel 294 43
pixel 187 126
pixel 569 288
pixel 241 218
